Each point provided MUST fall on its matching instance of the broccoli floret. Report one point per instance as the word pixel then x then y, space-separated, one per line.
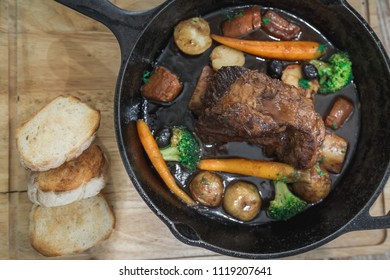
pixel 334 74
pixel 183 148
pixel 285 204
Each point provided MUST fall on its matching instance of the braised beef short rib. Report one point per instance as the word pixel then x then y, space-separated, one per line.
pixel 246 105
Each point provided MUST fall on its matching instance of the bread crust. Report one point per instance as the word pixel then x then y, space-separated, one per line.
pixel 71 229
pixel 80 178
pixel 66 120
pixel 73 173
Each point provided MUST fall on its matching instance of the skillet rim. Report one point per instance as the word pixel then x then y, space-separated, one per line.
pixel 353 223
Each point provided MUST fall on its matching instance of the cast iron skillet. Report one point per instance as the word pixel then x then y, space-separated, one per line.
pixel 142 36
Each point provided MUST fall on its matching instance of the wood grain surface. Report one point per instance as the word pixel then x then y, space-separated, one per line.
pixel 48 50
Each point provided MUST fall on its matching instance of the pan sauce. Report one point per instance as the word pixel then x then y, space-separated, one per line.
pixel 188 69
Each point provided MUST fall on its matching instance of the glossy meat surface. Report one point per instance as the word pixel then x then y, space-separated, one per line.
pixel 279 27
pixel 246 105
pixel 247 21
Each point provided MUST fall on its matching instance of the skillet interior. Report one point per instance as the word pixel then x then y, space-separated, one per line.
pixel 356 189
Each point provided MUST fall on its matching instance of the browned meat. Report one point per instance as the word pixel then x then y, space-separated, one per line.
pixel 163 85
pixel 245 105
pixel 195 103
pixel 249 20
pixel 279 27
pixel 339 113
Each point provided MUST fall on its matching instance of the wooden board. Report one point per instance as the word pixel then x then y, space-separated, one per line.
pixel 4 225
pixel 383 21
pixel 4 86
pixel 62 52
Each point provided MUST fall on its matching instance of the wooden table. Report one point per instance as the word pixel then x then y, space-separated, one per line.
pixel 47 50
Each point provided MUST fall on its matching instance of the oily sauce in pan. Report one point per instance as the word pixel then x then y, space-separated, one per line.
pixel 188 69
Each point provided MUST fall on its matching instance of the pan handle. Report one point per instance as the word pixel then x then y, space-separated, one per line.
pixel 364 221
pixel 126 25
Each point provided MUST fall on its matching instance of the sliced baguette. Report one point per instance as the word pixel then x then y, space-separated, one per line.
pixel 79 178
pixel 59 132
pixel 70 229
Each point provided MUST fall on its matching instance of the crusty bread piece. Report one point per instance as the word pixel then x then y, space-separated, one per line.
pixel 73 228
pixel 79 178
pixel 60 131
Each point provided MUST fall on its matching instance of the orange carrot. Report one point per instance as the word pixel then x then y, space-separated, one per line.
pixel 284 50
pixel 154 154
pixel 257 168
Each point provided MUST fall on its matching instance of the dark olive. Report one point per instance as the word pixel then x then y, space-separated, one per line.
pixel 242 200
pixel 309 72
pixel 275 69
pixel 163 137
pixel 207 188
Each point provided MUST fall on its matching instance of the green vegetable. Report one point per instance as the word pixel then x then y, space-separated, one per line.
pixel 322 48
pixel 303 83
pixel 146 76
pixel 230 15
pixel 183 148
pixel 334 74
pixel 320 172
pixel 285 204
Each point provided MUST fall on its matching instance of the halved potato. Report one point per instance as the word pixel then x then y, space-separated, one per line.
pixel 207 188
pixel 192 36
pixel 292 75
pixel 242 200
pixel 226 56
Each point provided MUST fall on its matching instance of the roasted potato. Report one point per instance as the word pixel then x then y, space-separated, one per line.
pixel 192 36
pixel 225 56
pixel 292 75
pixel 317 189
pixel 242 200
pixel 207 188
pixel 333 151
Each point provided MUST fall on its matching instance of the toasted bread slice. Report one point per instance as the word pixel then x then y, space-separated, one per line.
pixel 73 228
pixel 59 132
pixel 79 178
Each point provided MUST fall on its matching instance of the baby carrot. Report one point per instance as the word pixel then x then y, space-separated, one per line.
pixel 283 50
pixel 257 168
pixel 154 154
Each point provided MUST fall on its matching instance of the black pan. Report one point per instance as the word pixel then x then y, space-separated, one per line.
pixel 144 37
